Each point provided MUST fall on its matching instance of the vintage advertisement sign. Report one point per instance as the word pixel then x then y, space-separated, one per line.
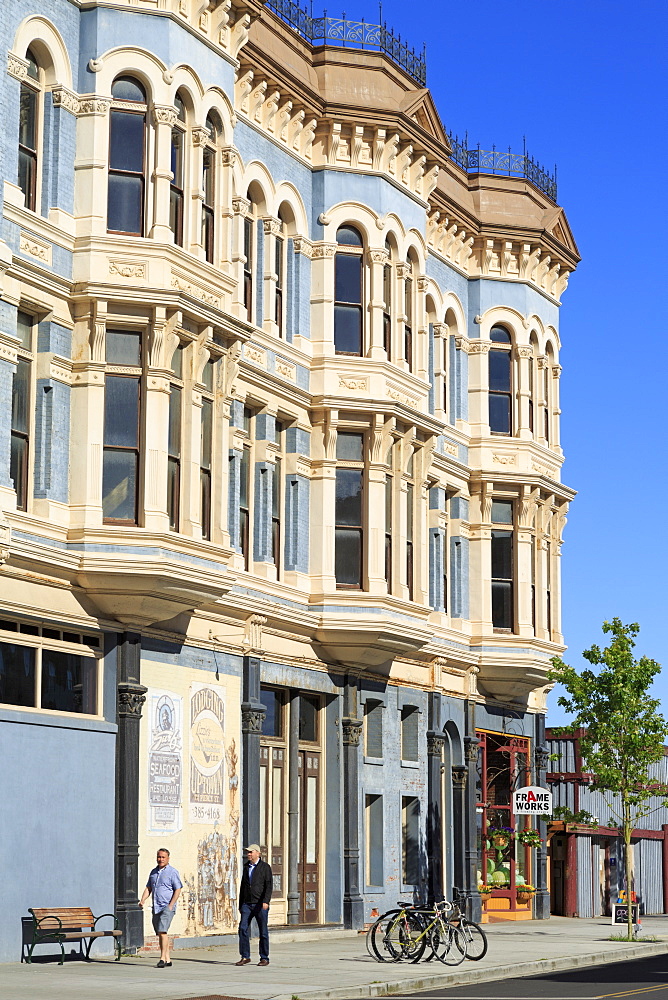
pixel 207 754
pixel 532 801
pixel 165 762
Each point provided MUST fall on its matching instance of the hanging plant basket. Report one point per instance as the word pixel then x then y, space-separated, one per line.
pixel 530 838
pixel 500 839
pixel 525 893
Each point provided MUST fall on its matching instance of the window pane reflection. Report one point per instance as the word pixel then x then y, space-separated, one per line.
pixel 308 718
pixel 17 675
pixel 121 411
pixel 119 485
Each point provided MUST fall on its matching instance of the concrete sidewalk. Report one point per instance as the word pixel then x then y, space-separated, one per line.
pixel 335 967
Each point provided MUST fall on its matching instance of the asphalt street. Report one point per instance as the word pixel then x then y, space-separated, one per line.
pixel 642 978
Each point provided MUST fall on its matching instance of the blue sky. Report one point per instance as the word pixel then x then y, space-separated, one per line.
pixel 586 83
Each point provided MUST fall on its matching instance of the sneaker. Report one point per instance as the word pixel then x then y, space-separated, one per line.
pixel 160 964
pixel 168 965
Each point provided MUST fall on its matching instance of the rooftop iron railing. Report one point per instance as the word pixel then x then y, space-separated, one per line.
pixel 356 34
pixel 495 161
pixel 378 37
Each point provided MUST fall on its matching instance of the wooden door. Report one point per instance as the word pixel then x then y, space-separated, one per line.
pixel 309 836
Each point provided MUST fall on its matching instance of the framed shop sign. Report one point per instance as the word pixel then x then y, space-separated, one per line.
pixel 620 913
pixel 532 801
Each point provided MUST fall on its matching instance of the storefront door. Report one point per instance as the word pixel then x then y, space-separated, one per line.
pixel 309 822
pixel 504 862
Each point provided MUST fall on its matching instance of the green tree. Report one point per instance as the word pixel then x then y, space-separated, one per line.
pixel 624 731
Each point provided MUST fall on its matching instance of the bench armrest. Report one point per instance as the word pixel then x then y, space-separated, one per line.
pixel 102 915
pixel 49 916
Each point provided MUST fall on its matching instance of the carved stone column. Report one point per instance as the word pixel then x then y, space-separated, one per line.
pixel 524 361
pixel 164 118
pixel 459 776
pixel 293 808
pixel 473 900
pixel 131 697
pixel 351 731
pixel 252 717
pixel 377 260
pixel 435 818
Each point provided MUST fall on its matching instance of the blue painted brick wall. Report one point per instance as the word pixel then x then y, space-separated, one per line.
pixel 52 436
pixel 297 523
pixel 6 381
pixel 459 575
pixel 298 441
pixel 262 501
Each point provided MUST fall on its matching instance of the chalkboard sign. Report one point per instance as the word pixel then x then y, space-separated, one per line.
pixel 620 913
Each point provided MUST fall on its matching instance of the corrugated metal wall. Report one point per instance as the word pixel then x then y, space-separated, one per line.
pixel 649 874
pixel 585 897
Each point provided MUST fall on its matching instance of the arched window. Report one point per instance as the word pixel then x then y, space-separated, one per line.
pixel 280 269
pixel 387 302
pixel 177 167
pixel 500 382
pixel 409 314
pixel 249 255
pixel 127 158
pixel 410 525
pixel 532 361
pixel 348 292
pixel 29 122
pixel 209 187
pixel 547 393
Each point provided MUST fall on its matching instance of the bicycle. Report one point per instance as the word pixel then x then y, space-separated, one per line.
pixel 404 933
pixel 476 939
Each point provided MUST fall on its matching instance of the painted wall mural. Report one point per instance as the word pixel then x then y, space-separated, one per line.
pixel 165 762
pixel 190 770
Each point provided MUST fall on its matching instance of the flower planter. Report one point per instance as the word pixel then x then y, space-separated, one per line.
pixel 500 840
pixel 523 897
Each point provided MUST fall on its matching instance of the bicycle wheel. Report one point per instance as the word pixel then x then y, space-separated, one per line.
pixel 448 944
pixel 413 937
pixel 383 938
pixel 476 940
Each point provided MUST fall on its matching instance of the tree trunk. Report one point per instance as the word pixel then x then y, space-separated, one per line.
pixel 627 866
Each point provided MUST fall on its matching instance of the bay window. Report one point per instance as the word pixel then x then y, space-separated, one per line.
pixel 127 158
pixel 177 166
pixel 349 511
pixel 21 409
pixel 348 291
pixel 500 382
pixel 174 440
pixel 209 188
pixel 503 598
pixel 30 111
pixel 122 415
pixel 206 448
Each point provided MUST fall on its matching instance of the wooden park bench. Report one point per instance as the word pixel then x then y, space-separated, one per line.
pixel 70 924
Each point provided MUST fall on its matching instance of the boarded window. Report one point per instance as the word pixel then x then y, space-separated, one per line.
pixel 373 715
pixel 374 839
pixel 410 838
pixel 409 733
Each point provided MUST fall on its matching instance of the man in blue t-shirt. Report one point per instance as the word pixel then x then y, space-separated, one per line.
pixel 165 886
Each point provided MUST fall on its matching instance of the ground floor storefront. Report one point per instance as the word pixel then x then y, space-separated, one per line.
pixel 359 789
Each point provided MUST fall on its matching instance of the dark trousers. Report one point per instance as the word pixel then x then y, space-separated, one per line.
pixel 248 911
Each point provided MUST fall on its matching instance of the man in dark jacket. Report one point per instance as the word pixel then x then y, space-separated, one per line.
pixel 254 895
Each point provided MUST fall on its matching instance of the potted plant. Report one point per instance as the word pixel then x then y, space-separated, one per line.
pixel 524 893
pixel 484 890
pixel 529 837
pixel 501 836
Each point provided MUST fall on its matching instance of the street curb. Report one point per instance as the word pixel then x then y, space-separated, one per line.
pixel 462 978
